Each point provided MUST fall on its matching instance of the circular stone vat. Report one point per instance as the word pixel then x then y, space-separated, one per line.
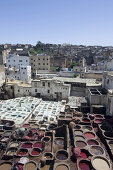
pixel 34 130
pixel 87 128
pixel 35 152
pixel 61 155
pixel 84 154
pixel 1 132
pixel 31 165
pixel 5 166
pixel 37 145
pixel 99 121
pixel 26 125
pixel 62 167
pixel 59 141
pixel 89 135
pixel 78 132
pixel 85 120
pixel 100 163
pixel 84 165
pixel 22 152
pixel 92 142
pixel 11 151
pixel 78 137
pixel 7 133
pixel 26 145
pixel 98 117
pixel 81 144
pixel 14 144
pixel 96 150
pixel 46 139
pixel 77 127
pixel 108 134
pixel 48 155
pixel 35 126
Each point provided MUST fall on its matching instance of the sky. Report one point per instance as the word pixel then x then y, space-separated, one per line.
pixel 86 22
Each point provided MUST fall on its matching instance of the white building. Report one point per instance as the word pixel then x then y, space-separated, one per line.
pixel 13 60
pixel 18 68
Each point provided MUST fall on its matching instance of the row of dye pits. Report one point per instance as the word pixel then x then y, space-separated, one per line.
pixel 107 133
pixel 36 148
pixel 86 139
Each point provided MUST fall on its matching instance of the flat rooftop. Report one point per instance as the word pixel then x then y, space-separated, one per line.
pixel 88 82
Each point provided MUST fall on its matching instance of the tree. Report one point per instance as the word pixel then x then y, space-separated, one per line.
pixel 73 64
pixel 75 75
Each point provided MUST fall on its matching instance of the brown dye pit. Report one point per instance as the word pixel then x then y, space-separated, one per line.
pixel 5 166
pixel 80 144
pixel 46 167
pixel 96 150
pixel 61 167
pixel 100 164
pixel 30 166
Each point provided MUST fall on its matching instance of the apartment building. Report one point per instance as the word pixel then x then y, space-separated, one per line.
pixel 39 62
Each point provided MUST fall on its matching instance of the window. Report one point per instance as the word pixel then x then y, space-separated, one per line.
pixel 39 63
pixel 43 58
pixel 48 91
pixel 47 58
pixel 22 68
pixel 34 60
pixel 35 90
pixel 20 60
pixel 48 84
pixel 18 90
pixel 39 59
pixel 23 72
pixel 43 83
pixel 47 63
pixel 8 60
pixel 14 60
pixel 43 63
pixel 26 60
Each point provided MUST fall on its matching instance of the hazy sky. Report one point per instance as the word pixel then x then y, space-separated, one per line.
pixel 88 22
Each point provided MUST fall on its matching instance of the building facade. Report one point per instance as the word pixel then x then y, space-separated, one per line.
pixel 39 62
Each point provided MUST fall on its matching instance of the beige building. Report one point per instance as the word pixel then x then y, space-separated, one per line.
pixel 39 62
